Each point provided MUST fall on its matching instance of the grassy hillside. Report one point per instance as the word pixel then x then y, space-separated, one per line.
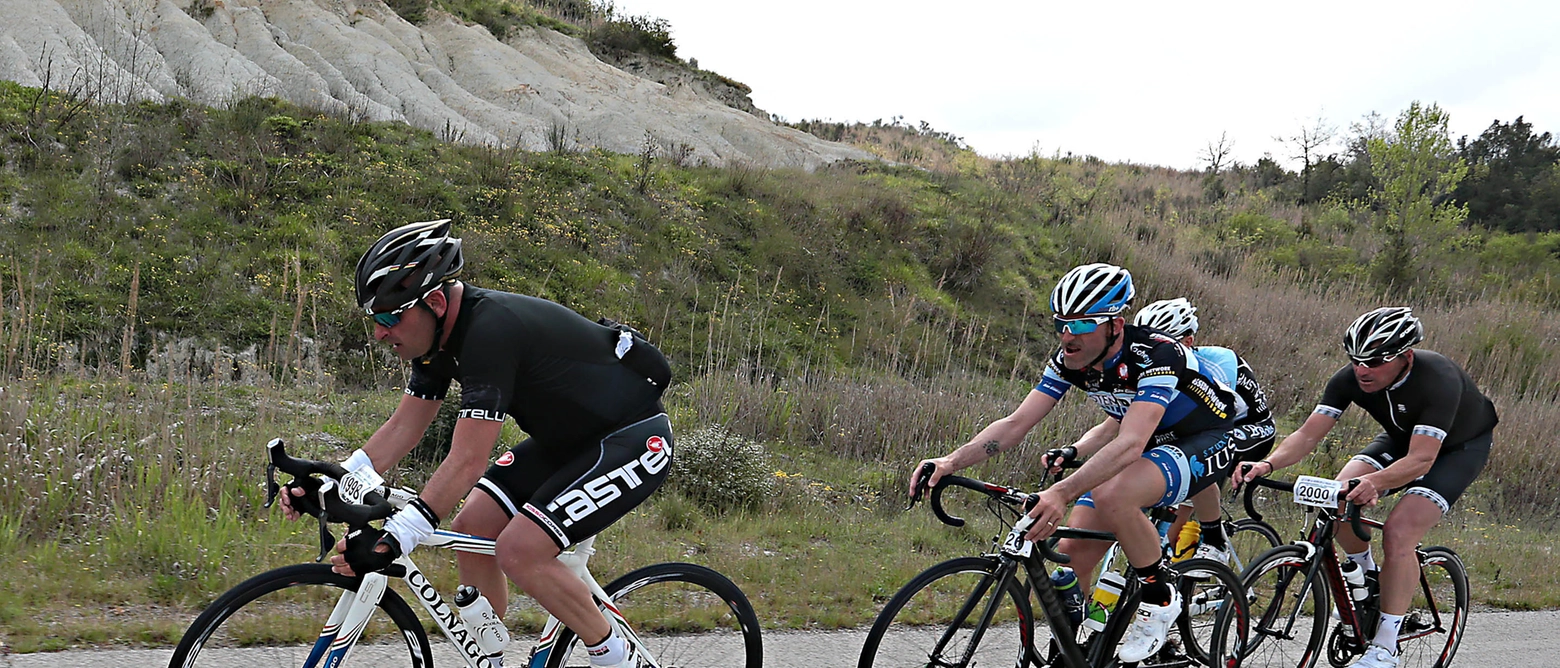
pixel 852 320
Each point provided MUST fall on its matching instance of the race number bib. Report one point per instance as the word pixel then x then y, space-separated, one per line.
pixel 1015 545
pixel 1318 492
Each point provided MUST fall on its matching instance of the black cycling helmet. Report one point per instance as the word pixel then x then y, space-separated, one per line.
pixel 405 264
pixel 1383 334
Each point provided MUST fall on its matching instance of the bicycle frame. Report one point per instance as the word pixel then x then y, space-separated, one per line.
pixel 352 611
pixel 1014 552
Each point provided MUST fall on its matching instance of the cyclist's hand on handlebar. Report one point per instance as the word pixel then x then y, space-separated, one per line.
pixel 1365 492
pixel 288 511
pixel 1055 458
pixel 1248 471
pixel 363 551
pixel 927 473
pixel 1048 511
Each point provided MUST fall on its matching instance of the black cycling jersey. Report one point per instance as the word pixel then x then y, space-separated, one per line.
pixel 1435 398
pixel 552 369
pixel 1150 366
pixel 1250 391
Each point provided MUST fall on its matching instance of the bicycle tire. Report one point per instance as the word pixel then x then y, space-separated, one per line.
pixel 1215 619
pixel 944 596
pixel 707 621
pixel 1249 539
pixel 1288 616
pixel 247 626
pixel 1422 643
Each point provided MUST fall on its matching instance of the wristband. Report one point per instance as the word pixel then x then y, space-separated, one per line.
pixel 358 460
pixel 412 525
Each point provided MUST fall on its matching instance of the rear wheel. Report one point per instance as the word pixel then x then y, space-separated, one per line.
pixel 935 619
pixel 1250 538
pixel 278 619
pixel 1288 613
pixel 1438 613
pixel 685 615
pixel 1215 620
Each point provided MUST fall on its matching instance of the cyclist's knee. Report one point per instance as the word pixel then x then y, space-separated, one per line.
pixel 524 544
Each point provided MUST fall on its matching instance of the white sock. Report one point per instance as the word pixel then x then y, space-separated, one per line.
pixel 1364 560
pixel 614 651
pixel 1387 632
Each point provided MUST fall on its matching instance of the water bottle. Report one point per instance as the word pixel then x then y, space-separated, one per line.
pixel 1066 583
pixel 484 624
pixel 1106 594
pixel 1355 576
pixel 1186 543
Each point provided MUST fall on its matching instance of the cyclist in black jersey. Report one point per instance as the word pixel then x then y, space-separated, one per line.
pixel 1151 387
pixel 1437 438
pixel 587 394
pixel 1252 436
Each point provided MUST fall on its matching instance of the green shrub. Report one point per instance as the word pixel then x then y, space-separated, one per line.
pixel 634 34
pixel 721 471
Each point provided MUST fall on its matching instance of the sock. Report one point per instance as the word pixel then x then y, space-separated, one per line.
pixel 614 651
pixel 1364 560
pixel 1152 580
pixel 1387 632
pixel 1213 535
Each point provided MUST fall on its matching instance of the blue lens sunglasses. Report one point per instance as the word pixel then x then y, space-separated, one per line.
pixel 1080 326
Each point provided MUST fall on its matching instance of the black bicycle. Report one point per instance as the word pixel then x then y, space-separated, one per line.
pixel 1294 589
pixel 977 611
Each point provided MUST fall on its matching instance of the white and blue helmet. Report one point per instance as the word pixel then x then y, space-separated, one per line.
pixel 1093 290
pixel 1176 317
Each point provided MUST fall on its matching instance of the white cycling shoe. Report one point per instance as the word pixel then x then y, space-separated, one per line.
pixel 1377 656
pixel 1149 629
pixel 1214 553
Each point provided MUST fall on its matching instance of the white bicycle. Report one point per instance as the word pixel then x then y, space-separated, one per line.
pixel 306 616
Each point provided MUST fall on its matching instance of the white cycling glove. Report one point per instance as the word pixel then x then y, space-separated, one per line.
pixel 358 460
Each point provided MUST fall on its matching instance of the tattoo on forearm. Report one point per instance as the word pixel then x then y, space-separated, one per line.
pixel 992 448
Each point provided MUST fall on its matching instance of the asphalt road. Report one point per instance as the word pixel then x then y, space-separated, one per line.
pixel 1528 639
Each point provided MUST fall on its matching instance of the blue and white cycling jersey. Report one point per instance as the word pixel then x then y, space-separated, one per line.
pixel 1152 367
pixel 1223 365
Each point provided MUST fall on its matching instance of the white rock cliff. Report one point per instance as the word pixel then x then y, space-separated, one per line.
pixel 358 58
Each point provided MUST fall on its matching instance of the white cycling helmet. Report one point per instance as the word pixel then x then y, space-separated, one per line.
pixel 1383 333
pixel 1176 317
pixel 1092 290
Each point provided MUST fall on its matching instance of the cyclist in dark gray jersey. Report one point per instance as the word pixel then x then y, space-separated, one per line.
pixel 587 394
pixel 1439 429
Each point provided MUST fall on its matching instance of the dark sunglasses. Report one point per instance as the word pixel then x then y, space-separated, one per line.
pixel 1373 362
pixel 1079 326
pixel 393 317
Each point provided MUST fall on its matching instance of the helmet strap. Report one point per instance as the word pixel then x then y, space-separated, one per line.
pixel 1110 341
pixel 438 324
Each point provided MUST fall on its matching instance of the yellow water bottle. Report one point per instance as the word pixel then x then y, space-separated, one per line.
pixel 1106 593
pixel 1186 543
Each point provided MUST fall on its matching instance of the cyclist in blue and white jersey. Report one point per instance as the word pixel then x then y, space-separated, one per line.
pixel 1149 385
pixel 1254 432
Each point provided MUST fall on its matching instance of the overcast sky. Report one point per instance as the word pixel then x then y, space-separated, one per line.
pixel 1145 82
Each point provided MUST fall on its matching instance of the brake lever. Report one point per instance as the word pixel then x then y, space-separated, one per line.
pixel 271 488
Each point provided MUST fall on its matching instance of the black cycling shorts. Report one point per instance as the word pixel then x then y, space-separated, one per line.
pixel 1189 465
pixel 574 494
pixel 1253 442
pixel 1454 469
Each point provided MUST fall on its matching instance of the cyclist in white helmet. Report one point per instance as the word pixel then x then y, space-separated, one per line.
pixel 1150 386
pixel 1438 429
pixel 1252 437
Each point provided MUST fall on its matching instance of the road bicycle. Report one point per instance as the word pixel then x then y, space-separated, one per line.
pixel 306 616
pixel 977 611
pixel 1295 588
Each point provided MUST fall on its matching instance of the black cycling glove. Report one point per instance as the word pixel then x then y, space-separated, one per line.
pixel 362 556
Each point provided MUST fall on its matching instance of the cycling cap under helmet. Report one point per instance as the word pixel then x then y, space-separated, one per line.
pixel 1384 332
pixel 1175 317
pixel 1092 290
pixel 406 263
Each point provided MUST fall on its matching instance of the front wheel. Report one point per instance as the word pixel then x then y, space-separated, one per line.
pixel 685 615
pixel 1438 612
pixel 935 620
pixel 1289 612
pixel 278 619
